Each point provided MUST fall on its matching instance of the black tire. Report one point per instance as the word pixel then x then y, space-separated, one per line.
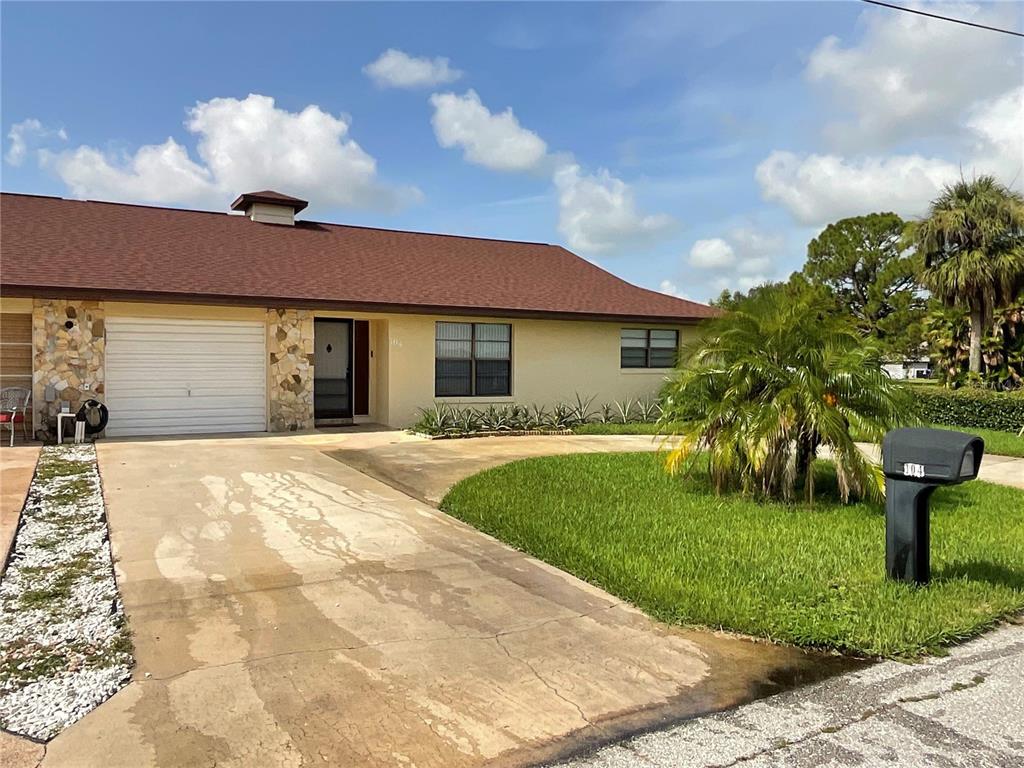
pixel 95 415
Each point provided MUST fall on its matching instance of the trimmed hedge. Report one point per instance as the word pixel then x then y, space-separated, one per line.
pixel 969 407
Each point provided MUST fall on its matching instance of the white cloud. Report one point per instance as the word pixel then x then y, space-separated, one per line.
pixel 25 134
pixel 756 250
pixel 743 258
pixel 818 189
pixel 737 283
pixel 751 281
pixel 495 141
pixel 907 78
pixel 243 144
pixel 998 128
pixel 670 288
pixel 910 76
pixel 159 173
pixel 397 69
pixel 712 254
pixel 753 243
pixel 756 266
pixel 598 212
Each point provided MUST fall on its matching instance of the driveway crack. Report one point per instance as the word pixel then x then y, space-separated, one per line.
pixel 547 684
pixel 381 643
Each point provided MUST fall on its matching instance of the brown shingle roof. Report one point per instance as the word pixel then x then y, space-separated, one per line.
pixel 68 247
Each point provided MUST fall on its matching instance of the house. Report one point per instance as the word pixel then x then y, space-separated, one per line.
pixel 909 368
pixel 202 322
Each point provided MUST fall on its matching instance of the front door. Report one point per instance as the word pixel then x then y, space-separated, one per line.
pixel 332 369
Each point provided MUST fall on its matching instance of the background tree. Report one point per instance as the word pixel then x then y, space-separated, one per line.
pixel 864 262
pixel 1002 344
pixel 796 287
pixel 948 333
pixel 972 248
pixel 1003 349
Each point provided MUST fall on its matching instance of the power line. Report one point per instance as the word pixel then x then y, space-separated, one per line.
pixel 944 18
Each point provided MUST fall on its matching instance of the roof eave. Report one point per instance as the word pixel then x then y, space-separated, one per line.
pixel 243 201
pixel 97 294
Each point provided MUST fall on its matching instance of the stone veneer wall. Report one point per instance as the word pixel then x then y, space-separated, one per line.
pixel 68 347
pixel 290 365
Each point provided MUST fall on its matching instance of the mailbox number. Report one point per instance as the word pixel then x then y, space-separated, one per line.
pixel 911 469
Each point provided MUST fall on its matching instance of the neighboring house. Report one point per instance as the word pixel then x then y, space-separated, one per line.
pixel 188 321
pixel 916 368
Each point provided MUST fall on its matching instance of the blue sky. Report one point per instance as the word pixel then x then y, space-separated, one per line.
pixel 686 147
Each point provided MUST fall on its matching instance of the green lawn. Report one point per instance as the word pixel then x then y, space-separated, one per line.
pixel 1001 443
pixel 810 576
pixel 610 428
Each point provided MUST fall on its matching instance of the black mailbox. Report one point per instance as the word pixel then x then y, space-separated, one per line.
pixel 915 462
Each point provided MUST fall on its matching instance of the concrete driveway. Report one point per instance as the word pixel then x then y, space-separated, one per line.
pixel 290 610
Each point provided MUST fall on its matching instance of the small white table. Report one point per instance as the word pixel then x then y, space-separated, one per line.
pixel 79 427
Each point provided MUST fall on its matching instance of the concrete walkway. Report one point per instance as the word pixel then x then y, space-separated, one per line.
pixel 1001 470
pixel 965 710
pixel 17 465
pixel 288 610
pixel 426 469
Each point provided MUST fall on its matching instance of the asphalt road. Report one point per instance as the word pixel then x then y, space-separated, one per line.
pixel 965 709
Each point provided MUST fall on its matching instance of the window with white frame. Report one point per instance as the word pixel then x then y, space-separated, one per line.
pixel 648 348
pixel 472 359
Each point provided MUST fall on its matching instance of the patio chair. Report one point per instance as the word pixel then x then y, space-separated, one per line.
pixel 14 409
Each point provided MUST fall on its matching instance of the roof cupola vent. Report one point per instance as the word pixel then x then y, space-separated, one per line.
pixel 269 207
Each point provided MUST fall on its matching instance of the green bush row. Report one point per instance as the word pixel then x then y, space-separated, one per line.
pixel 969 407
pixel 444 419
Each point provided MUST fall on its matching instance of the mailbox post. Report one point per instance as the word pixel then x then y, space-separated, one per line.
pixel 915 462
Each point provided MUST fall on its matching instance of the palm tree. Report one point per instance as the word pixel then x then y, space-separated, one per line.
pixel 947 331
pixel 770 383
pixel 973 246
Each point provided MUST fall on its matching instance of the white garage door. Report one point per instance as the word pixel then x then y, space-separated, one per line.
pixel 166 377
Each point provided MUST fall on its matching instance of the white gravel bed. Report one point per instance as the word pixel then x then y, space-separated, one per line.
pixel 64 642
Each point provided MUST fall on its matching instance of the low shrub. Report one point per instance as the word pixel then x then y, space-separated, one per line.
pixel 970 407
pixel 455 421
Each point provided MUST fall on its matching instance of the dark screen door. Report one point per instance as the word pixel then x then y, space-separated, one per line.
pixel 332 369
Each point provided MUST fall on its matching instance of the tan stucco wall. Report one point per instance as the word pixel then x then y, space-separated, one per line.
pixel 184 311
pixel 15 304
pixel 552 360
